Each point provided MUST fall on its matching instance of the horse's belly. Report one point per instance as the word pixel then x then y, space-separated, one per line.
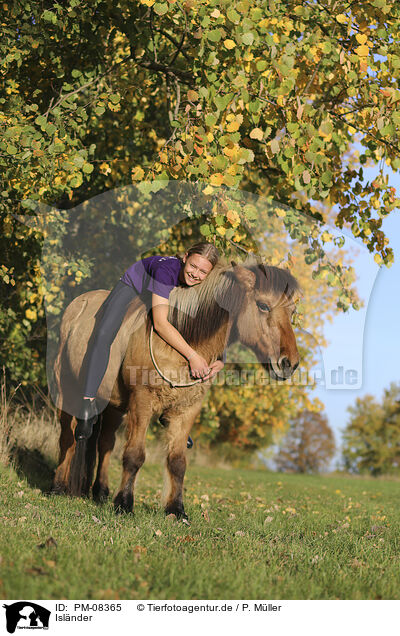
pixel 178 397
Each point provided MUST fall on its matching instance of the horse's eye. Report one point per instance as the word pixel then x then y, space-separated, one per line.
pixel 263 306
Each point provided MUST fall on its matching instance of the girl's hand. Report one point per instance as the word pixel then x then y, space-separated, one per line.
pixel 215 368
pixel 198 366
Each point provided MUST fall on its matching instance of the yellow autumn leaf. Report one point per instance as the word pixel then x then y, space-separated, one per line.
pixel 216 13
pixel 137 173
pixel 230 152
pixel 257 133
pixel 229 44
pixel 280 212
pixel 31 314
pixel 233 126
pixel 192 95
pixel 208 190
pixel 361 38
pixel 216 179
pixel 362 51
pixel 233 218
pixel 341 18
pixel 221 231
pixel 105 168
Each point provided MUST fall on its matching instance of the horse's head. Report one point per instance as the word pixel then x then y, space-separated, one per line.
pixel 263 321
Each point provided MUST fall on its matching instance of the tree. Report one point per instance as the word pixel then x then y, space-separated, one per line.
pixel 263 98
pixel 371 440
pixel 308 446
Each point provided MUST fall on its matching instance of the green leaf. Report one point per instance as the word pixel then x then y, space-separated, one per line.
pixel 210 119
pixel 205 230
pixel 233 16
pixel 41 121
pixel 50 129
pixel 48 16
pixel 161 8
pixel 248 38
pixel 78 161
pixel 214 35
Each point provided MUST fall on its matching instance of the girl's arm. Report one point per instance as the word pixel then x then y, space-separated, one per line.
pixel 160 306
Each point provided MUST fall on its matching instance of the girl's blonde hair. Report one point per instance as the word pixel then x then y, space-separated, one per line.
pixel 207 250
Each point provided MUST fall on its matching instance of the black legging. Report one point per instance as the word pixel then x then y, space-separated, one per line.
pixel 113 311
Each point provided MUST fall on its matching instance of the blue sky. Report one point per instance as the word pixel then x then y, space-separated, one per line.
pixel 376 327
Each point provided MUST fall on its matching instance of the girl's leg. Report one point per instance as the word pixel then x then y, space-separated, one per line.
pixel 113 311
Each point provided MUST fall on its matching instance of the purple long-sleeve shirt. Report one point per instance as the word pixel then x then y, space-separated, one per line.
pixel 155 274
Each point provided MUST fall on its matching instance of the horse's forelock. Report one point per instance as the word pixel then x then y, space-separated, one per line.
pixel 276 280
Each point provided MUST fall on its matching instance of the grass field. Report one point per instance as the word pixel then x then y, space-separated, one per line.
pixel 253 535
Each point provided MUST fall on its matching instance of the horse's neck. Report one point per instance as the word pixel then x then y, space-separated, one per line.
pixel 214 347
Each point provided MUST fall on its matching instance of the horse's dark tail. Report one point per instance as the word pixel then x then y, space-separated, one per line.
pixel 83 462
pixel 78 472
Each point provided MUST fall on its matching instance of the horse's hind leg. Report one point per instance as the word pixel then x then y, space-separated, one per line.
pixel 180 424
pixel 111 419
pixel 67 446
pixel 139 415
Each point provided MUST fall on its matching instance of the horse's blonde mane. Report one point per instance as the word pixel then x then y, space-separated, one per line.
pixel 198 312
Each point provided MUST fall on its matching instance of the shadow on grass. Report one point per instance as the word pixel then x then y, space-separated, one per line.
pixel 34 467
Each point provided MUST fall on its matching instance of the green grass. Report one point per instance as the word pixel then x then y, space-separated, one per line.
pixel 253 535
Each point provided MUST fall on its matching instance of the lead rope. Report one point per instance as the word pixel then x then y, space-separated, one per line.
pixel 172 384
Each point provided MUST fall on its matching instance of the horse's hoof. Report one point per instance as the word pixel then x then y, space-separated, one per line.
pixel 123 504
pixel 178 512
pixel 58 489
pixel 189 442
pixel 100 494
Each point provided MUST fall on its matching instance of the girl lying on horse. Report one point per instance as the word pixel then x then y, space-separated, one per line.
pixel 155 276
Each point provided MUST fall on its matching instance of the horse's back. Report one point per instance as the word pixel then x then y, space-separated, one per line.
pixel 77 325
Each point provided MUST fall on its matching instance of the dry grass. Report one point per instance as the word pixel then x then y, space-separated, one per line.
pixel 25 425
pixel 6 417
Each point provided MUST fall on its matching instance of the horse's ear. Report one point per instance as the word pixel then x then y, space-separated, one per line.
pixel 233 263
pixel 245 277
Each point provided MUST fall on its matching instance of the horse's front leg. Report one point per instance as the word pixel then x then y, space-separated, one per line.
pixel 180 423
pixel 138 419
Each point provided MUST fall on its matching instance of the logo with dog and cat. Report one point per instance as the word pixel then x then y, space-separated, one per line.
pixel 26 615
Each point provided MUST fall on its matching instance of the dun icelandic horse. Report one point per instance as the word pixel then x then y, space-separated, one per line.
pixel 250 303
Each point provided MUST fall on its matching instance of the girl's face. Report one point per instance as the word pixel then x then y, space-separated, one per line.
pixel 195 269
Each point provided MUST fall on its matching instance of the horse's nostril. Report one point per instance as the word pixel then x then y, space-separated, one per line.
pixel 284 363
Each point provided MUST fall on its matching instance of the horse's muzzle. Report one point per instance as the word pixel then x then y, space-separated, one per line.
pixel 281 370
